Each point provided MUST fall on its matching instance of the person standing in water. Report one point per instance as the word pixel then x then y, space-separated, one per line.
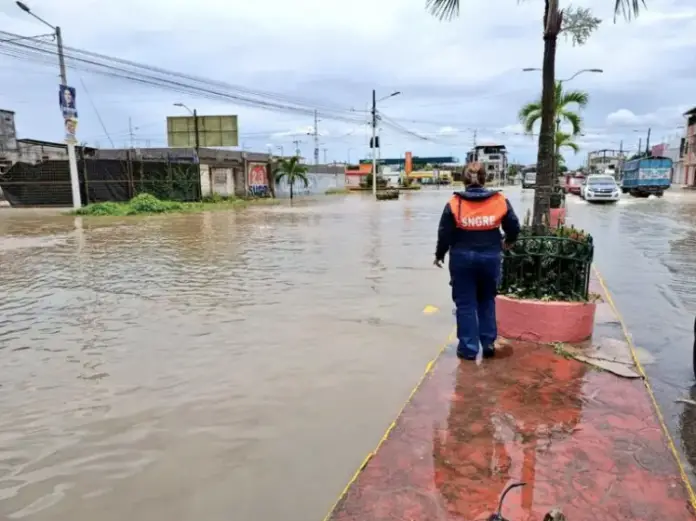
pixel 470 231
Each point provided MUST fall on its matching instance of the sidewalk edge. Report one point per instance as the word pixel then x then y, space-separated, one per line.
pixel 646 381
pixel 428 369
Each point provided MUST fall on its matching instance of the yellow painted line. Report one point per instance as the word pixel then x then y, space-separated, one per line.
pixel 646 381
pixel 429 310
pixel 426 372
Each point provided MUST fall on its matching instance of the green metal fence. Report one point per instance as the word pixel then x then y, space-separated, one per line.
pixel 549 267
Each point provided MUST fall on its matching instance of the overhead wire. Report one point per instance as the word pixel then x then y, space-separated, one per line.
pixel 100 58
pixel 110 67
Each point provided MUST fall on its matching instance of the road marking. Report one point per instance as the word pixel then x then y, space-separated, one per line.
pixel 426 372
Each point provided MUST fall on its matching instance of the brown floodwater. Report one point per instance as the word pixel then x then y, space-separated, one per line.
pixel 213 366
pixel 240 365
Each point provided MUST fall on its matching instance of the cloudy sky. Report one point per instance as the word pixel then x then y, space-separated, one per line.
pixel 455 78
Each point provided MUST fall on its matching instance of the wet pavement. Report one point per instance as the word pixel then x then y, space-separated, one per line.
pixel 243 363
pixel 582 440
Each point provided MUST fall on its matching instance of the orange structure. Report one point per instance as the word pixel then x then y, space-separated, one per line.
pixel 586 441
pixel 408 163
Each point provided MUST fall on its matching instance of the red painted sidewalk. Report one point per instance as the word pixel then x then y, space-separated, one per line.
pixel 583 440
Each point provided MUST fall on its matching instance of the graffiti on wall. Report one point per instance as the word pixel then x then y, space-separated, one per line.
pixel 316 184
pixel 258 180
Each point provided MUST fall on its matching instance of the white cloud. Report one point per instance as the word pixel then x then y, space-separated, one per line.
pixel 447 131
pixel 455 78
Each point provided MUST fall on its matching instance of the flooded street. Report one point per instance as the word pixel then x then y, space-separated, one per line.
pixel 242 364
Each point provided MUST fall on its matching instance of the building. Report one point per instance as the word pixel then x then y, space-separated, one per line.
pixel 223 172
pixel 689 149
pixel 8 131
pixel 674 150
pixel 606 160
pixel 493 157
pixel 355 175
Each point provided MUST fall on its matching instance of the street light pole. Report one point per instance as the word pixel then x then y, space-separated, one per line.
pixel 72 156
pixel 374 142
pixel 374 136
pixel 197 144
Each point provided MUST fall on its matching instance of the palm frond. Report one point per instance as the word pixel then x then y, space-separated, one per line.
pixel 573 146
pixel 302 176
pixel 628 8
pixel 563 139
pixel 574 119
pixel 574 96
pixel 528 115
pixel 443 9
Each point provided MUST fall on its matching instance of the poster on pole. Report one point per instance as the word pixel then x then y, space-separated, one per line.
pixel 68 107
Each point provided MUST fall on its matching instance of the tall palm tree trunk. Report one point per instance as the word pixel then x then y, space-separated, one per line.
pixel 545 155
pixel 292 182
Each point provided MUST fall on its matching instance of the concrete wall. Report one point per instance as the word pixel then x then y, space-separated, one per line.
pixel 672 150
pixel 319 183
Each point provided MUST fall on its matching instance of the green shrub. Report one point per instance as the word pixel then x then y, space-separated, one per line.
pixel 146 203
pixel 551 265
pixel 337 191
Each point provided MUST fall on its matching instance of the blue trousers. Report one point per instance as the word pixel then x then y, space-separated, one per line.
pixel 474 277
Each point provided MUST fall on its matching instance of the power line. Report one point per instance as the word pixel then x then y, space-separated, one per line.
pixel 101 121
pixel 153 76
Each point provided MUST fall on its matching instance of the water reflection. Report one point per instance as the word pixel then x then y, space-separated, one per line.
pixel 497 426
pixel 583 440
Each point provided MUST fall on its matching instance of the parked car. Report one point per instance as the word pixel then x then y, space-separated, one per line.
pixel 600 188
pixel 529 179
pixel 573 184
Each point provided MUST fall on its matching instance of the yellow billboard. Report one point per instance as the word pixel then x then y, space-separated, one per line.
pixel 213 131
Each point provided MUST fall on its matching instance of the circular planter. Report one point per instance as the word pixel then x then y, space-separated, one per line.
pixel 544 322
pixel 557 217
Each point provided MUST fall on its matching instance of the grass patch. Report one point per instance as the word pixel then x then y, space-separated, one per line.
pixel 146 204
pixel 337 191
pixel 412 186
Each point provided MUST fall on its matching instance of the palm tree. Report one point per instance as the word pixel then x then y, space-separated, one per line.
pixel 530 113
pixel 563 139
pixel 292 170
pixel 551 22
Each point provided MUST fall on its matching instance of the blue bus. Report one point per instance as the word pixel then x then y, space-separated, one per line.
pixel 646 176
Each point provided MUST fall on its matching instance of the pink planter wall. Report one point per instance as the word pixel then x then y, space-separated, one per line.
pixel 557 216
pixel 544 322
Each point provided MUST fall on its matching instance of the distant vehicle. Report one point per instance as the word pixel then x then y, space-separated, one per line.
pixel 610 170
pixel 646 176
pixel 600 188
pixel 528 177
pixel 573 184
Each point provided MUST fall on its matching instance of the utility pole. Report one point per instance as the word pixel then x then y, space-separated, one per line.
pixel 297 147
pixel 195 130
pixel 72 156
pixel 130 132
pixel 325 150
pixel 374 142
pixel 647 143
pixel 475 130
pixel 316 138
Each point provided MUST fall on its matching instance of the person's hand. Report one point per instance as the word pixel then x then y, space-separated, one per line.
pixel 438 263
